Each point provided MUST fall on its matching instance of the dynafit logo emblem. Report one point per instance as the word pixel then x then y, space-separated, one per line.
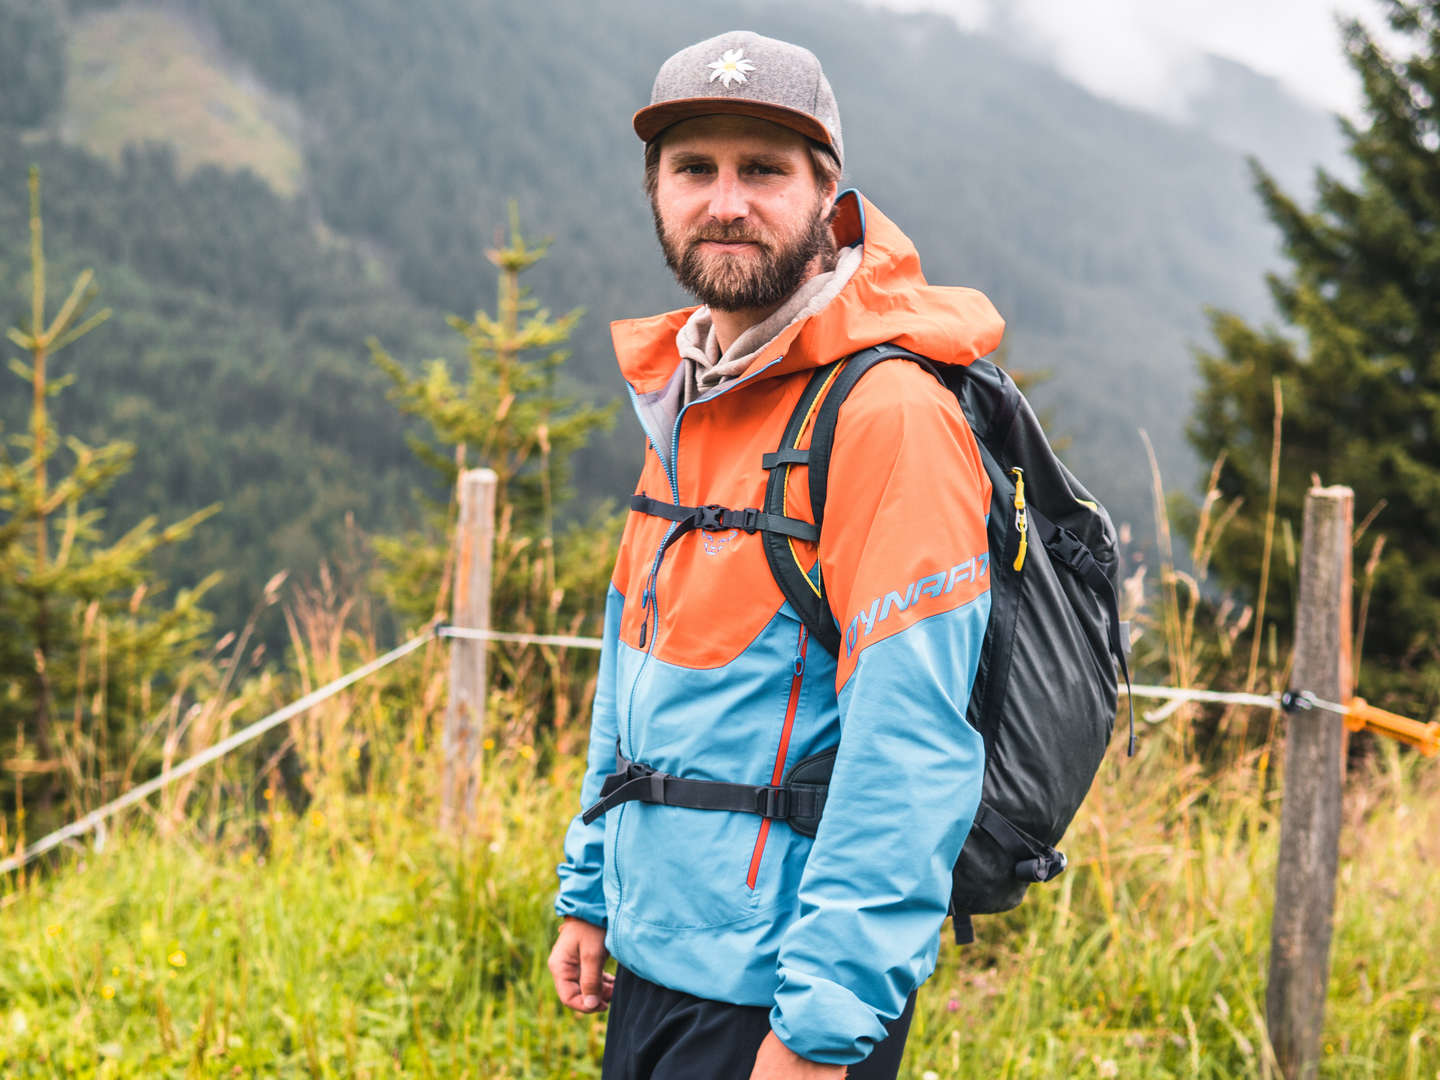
pixel 731 67
pixel 715 542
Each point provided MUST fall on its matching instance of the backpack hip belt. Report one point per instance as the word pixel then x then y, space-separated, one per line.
pixel 798 801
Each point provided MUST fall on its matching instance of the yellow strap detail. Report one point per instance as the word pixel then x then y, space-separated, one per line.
pixel 1021 521
pixel 785 489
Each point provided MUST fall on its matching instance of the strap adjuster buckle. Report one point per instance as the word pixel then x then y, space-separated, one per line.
pixel 749 519
pixel 772 802
pixel 712 517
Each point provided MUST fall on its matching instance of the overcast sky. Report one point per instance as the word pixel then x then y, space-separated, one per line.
pixel 1146 53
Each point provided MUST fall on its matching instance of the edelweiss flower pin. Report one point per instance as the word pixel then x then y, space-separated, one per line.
pixel 730 67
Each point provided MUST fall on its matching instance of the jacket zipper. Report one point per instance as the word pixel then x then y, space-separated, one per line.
pixel 650 604
pixel 778 773
pixel 671 469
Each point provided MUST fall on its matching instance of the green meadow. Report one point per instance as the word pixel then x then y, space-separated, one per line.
pixel 357 938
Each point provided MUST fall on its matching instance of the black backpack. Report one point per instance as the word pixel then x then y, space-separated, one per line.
pixel 1045 692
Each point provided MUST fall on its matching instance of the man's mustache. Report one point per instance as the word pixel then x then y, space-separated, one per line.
pixel 725 235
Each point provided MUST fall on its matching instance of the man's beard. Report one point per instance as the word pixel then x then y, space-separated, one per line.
pixel 724 283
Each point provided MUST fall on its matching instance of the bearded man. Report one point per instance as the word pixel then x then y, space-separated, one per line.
pixel 746 945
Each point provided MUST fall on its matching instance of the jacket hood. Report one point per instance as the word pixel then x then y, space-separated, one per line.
pixel 887 299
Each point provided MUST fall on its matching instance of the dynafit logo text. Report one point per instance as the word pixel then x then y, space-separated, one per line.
pixel 917 592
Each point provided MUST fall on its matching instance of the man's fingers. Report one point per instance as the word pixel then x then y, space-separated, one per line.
pixel 577 967
pixel 564 965
pixel 592 972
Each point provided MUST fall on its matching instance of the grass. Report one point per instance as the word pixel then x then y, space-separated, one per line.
pixel 143 74
pixel 355 939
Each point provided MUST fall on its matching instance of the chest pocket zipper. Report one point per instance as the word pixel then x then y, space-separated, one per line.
pixel 778 774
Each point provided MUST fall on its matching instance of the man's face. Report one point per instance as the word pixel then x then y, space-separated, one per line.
pixel 738 212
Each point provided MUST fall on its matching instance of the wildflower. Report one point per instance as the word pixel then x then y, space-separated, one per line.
pixel 107 992
pixel 317 819
pixel 177 958
pixel 115 970
pixel 269 794
pixel 953 1005
pixel 930 1074
pixel 1107 1067
pixel 527 752
pixel 354 753
pixel 53 930
pixel 488 744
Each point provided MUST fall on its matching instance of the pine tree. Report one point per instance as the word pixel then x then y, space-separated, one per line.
pixel 85 641
pixel 510 416
pixel 1360 374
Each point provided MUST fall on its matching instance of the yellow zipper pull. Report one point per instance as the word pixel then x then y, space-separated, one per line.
pixel 1020 518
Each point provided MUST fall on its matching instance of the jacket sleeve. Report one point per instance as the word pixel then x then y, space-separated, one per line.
pixel 904 556
pixel 582 892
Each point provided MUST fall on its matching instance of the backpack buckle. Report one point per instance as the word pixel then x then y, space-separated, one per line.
pixel 772 802
pixel 712 517
pixel 1043 867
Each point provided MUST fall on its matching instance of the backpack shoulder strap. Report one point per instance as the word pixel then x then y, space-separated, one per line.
pixel 823 395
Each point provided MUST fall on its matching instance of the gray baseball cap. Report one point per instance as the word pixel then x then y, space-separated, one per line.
pixel 742 73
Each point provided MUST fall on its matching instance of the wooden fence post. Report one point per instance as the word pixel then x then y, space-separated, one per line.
pixel 1310 817
pixel 465 713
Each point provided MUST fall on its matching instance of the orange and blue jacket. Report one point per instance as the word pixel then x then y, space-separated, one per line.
pixel 706 671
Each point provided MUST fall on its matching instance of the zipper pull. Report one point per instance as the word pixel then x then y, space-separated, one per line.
pixel 1021 521
pixel 644 628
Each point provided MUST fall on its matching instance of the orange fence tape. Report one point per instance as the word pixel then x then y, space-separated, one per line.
pixel 1360 715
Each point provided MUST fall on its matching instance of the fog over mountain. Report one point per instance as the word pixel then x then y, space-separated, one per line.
pixel 1154 57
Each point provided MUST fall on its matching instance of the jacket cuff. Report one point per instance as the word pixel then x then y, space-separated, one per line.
pixel 822 1021
pixel 581 895
pixel 591 913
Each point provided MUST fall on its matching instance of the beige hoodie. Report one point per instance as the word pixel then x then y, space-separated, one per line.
pixel 706 370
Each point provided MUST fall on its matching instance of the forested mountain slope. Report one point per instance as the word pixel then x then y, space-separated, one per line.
pixel 237 361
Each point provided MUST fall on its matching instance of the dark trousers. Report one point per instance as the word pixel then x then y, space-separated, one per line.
pixel 659 1034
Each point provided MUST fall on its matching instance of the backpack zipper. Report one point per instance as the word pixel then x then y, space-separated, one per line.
pixel 778 774
pixel 1021 519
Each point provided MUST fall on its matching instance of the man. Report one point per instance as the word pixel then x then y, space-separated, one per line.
pixel 744 947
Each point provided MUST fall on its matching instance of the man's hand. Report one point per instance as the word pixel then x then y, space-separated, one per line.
pixel 577 964
pixel 776 1061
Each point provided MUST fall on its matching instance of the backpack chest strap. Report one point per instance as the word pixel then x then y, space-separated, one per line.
pixel 714 517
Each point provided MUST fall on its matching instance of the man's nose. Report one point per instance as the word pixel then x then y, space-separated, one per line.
pixel 727 198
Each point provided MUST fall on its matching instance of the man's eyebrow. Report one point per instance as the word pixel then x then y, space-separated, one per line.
pixel 681 158
pixel 774 161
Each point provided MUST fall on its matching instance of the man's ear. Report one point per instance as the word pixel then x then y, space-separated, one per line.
pixel 828 196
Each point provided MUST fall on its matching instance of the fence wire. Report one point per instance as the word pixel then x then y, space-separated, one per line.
pixel 95 820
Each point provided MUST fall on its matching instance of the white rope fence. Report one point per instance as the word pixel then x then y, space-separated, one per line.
pixel 1178 697
pixel 95 820
pixel 561 640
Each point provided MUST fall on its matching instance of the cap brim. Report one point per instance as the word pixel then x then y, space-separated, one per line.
pixel 653 119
